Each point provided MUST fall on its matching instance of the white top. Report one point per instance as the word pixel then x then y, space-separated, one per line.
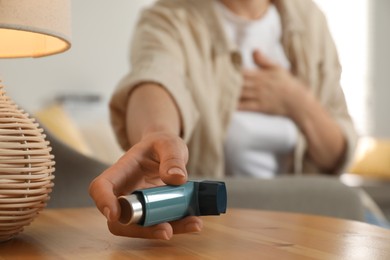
pixel 257 144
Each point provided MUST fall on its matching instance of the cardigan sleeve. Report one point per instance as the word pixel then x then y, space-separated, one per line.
pixel 156 57
pixel 318 64
pixel 332 95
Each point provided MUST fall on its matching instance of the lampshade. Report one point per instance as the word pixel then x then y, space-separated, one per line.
pixel 34 28
pixel 28 28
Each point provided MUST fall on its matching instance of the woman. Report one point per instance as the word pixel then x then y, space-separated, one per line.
pixel 202 71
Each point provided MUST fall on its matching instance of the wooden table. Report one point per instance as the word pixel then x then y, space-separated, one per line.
pixel 240 234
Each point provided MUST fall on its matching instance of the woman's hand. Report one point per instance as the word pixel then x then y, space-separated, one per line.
pixel 271 89
pixel 158 159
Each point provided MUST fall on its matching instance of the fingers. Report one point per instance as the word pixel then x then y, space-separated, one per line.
pixel 249 105
pixel 253 79
pixel 101 191
pixel 248 92
pixel 173 156
pixel 262 61
pixel 187 225
pixel 250 75
pixel 162 231
pixel 114 181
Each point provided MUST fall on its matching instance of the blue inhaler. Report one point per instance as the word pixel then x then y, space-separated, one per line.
pixel 167 203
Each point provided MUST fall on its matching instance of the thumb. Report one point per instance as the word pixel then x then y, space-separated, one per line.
pixel 173 155
pixel 262 61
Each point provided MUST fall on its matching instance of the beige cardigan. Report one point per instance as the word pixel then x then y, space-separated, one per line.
pixel 181 45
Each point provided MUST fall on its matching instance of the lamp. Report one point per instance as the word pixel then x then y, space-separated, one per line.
pixel 28 28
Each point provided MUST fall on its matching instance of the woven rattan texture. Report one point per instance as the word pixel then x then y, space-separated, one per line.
pixel 26 168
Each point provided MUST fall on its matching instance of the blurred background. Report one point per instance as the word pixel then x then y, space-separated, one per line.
pixel 69 92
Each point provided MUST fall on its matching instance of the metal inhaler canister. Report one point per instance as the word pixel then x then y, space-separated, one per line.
pixel 167 203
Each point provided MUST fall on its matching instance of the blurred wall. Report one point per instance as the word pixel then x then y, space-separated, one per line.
pixel 351 39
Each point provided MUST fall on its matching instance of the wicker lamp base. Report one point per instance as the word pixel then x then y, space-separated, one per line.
pixel 26 168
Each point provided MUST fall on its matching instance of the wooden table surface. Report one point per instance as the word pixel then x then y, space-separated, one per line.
pixel 239 234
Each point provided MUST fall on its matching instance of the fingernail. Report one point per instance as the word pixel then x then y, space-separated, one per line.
pixel 176 171
pixel 161 234
pixel 192 227
pixel 106 212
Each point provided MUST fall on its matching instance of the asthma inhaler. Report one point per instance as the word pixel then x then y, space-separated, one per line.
pixel 167 203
